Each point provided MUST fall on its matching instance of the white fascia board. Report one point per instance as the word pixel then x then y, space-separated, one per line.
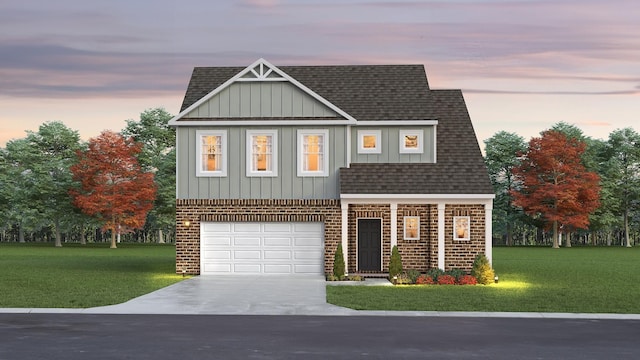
pixel 418 198
pixel 174 120
pixel 308 91
pixel 396 122
pixel 265 122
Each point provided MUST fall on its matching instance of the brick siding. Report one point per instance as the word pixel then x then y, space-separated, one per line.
pixel 461 253
pixel 419 254
pixel 194 211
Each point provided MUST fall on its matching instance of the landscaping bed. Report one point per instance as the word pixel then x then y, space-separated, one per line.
pixel 575 280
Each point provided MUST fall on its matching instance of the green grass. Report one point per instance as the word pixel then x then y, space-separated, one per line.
pixel 575 280
pixel 79 276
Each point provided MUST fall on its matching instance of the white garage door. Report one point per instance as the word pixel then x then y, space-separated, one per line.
pixel 261 248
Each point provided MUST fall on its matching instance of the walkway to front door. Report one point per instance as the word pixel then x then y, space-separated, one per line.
pixel 369 244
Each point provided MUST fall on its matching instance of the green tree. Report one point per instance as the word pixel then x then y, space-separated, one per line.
pixel 622 177
pixel 55 146
pixel 37 174
pixel 503 153
pixel 158 156
pixel 17 185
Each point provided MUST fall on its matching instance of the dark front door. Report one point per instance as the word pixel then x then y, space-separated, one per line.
pixel 369 244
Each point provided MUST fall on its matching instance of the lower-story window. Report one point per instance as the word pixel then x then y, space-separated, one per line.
pixel 412 228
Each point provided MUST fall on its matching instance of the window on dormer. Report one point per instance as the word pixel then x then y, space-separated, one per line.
pixel 411 141
pixel 369 142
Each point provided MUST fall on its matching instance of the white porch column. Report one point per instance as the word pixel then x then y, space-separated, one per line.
pixel 488 231
pixel 441 236
pixel 394 224
pixel 345 235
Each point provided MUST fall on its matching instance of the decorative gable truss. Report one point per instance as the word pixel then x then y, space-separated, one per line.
pixel 262 92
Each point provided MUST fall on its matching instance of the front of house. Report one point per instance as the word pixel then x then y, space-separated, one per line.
pixel 276 166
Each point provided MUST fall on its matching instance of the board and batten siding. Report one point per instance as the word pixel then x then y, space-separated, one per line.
pixel 236 185
pixel 390 151
pixel 261 99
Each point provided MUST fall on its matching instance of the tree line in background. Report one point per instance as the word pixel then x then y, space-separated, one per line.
pixel 54 187
pixel 560 187
pixel 565 188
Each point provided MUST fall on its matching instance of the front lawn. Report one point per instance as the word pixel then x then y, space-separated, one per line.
pixel 77 276
pixel 576 280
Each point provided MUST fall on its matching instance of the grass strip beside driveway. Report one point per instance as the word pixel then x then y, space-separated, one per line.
pixel 574 280
pixel 38 275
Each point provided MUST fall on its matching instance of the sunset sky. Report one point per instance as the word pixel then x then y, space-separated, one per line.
pixel 522 65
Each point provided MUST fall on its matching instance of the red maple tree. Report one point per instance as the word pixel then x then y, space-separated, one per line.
pixel 113 187
pixel 555 187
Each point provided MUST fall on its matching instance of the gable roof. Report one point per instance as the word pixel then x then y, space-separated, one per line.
pixel 361 92
pixel 459 169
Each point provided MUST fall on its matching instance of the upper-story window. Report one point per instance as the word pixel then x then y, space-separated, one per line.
pixel 262 157
pixel 211 153
pixel 411 141
pixel 313 152
pixel 369 142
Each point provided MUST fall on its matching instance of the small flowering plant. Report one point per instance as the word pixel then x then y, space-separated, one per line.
pixel 446 280
pixel 424 280
pixel 467 280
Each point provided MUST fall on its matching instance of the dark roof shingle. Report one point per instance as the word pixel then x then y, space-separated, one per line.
pixel 459 169
pixel 386 92
pixel 366 92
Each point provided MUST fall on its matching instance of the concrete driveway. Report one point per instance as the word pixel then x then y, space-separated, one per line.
pixel 234 295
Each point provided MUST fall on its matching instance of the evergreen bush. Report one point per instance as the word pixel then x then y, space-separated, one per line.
pixel 482 270
pixel 338 263
pixel 395 263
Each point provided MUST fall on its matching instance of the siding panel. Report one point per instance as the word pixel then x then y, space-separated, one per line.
pixel 236 185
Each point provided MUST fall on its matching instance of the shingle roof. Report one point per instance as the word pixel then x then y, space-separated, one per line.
pixel 366 92
pixel 460 168
pixel 386 92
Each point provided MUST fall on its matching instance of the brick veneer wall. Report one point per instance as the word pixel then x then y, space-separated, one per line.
pixel 461 253
pixel 194 211
pixel 415 253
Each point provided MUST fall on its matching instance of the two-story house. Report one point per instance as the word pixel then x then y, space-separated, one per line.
pixel 276 166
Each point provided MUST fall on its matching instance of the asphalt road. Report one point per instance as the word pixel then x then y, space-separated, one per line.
pixel 82 336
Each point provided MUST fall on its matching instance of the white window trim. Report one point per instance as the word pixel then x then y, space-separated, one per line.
pixel 417 132
pixel 467 235
pixel 325 154
pixel 274 153
pixel 362 134
pixel 223 146
pixel 404 228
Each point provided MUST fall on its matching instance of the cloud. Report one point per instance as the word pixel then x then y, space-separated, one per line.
pixel 525 92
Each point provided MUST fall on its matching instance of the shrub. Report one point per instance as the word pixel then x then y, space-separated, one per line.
pixel 456 273
pixel 413 274
pixel 482 270
pixel 425 280
pixel 467 280
pixel 338 263
pixel 355 278
pixel 434 273
pixel 395 263
pixel 402 279
pixel 446 280
pixel 331 277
